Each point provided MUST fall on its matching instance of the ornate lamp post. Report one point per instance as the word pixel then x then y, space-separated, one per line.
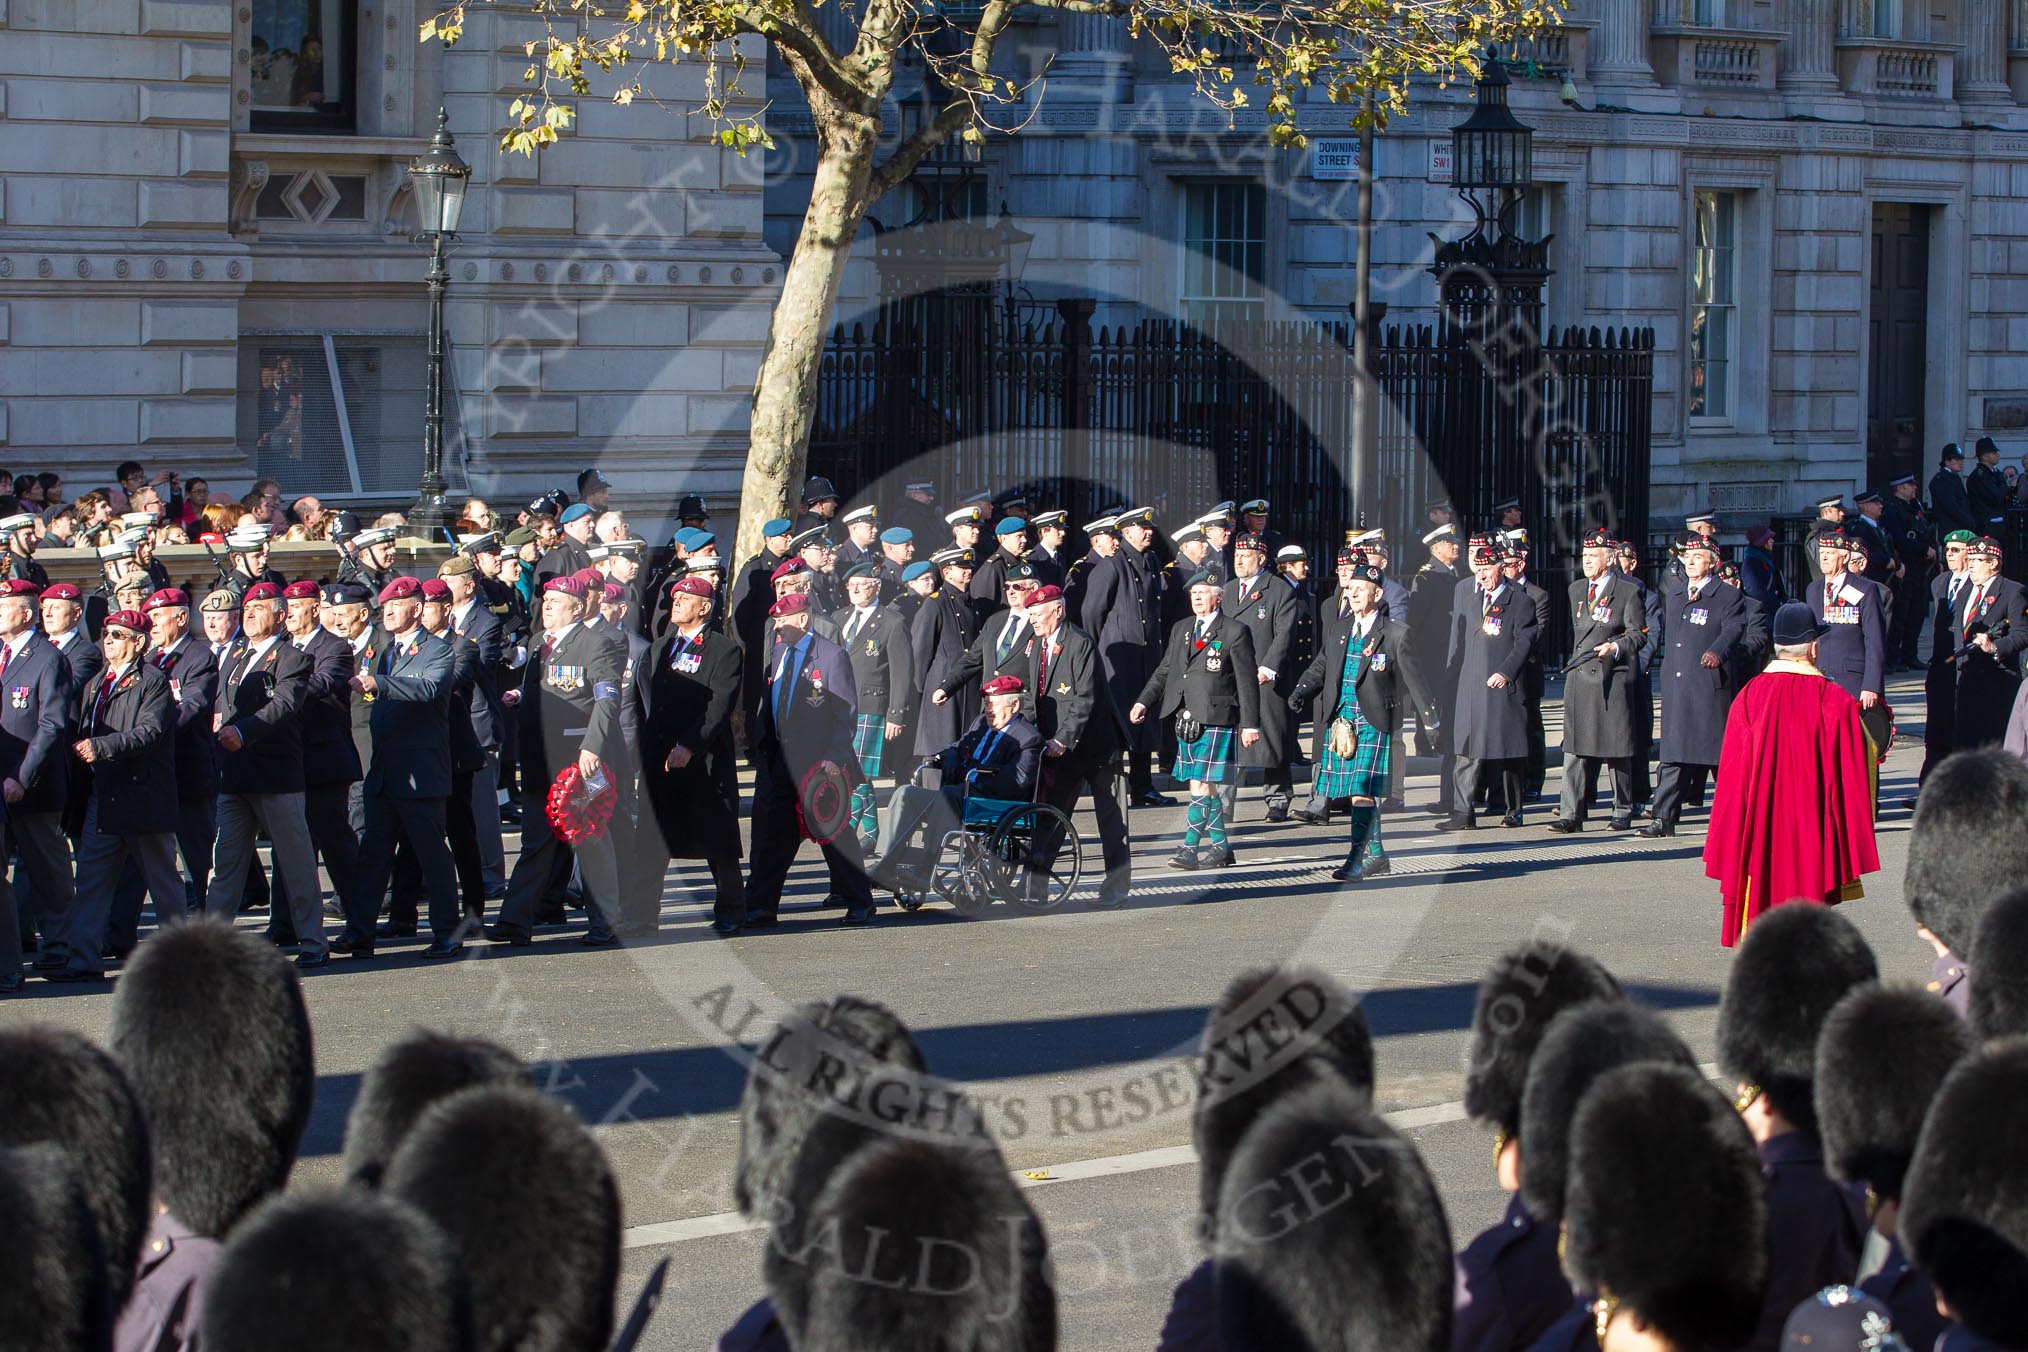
pixel 1492 280
pixel 440 178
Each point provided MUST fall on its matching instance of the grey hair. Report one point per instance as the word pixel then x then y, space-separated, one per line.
pixel 1793 652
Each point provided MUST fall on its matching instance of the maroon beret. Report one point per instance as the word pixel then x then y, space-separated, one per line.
pixel 166 598
pixel 262 591
pixel 19 586
pixel 1003 685
pixel 301 591
pixel 128 619
pixel 400 589
pixel 60 591
pixel 788 568
pixel 795 603
pixel 435 589
pixel 691 586
pixel 570 584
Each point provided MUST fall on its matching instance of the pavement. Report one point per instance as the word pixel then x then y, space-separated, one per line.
pixel 1074 1030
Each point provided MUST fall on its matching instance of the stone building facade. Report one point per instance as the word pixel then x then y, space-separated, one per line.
pixel 206 263
pixel 1819 206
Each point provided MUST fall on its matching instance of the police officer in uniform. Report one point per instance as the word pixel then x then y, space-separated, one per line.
pixel 1908 530
pixel 820 504
pixel 568 703
pixel 1702 633
pixel 1987 489
pixel 1266 606
pixel 1122 610
pixel 1494 629
pixel 1949 506
pixel 1608 629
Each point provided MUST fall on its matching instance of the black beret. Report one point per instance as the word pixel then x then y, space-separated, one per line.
pixel 1582 1043
pixel 1315 1030
pixel 1331 1233
pixel 411 1075
pixel 1969 842
pixel 1666 1209
pixel 1964 1206
pixel 1999 980
pixel 1795 963
pixel 53 1290
pixel 1525 988
pixel 209 1024
pixel 335 1270
pixel 57 1086
pixel 1882 1055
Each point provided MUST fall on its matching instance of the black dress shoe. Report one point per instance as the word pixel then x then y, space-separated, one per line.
pixel 857 916
pixel 395 932
pixel 1436 810
pixel 444 948
pixel 1621 823
pixel 1278 812
pixel 72 974
pixel 116 952
pixel 10 983
pixel 502 934
pixel 1309 818
pixel 598 938
pixel 1656 830
pixel 1185 859
pixel 1457 824
pixel 1566 827
pixel 333 911
pixel 1394 804
pixel 307 961
pixel 1153 799
pixel 725 929
pixel 49 964
pixel 760 922
pixel 345 943
pixel 1510 820
pixel 1216 857
pixel 1107 901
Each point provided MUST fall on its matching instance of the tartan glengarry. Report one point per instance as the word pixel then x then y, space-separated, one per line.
pixel 1363 774
pixel 1208 758
pixel 869 742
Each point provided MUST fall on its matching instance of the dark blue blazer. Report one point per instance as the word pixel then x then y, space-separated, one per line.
pixel 410 719
pixel 134 740
pixel 467 756
pixel 329 754
pixel 263 702
pixel 1510 1285
pixel 486 632
pixel 1696 698
pixel 193 684
pixel 37 713
pixel 815 721
pixel 1851 651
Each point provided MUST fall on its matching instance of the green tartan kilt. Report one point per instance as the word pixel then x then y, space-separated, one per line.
pixel 1208 759
pixel 869 742
pixel 1363 774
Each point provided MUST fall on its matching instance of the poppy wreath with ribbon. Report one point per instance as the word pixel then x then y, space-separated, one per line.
pixel 576 813
pixel 824 802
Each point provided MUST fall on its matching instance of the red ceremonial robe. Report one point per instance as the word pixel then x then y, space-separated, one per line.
pixel 1792 815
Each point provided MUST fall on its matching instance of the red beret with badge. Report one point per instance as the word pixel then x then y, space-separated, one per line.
pixel 61 591
pixel 399 589
pixel 1004 685
pixel 788 568
pixel 131 620
pixel 690 586
pixel 795 604
pixel 569 584
pixel 165 599
pixel 268 591
pixel 436 589
pixel 1044 595
pixel 19 586
pixel 301 591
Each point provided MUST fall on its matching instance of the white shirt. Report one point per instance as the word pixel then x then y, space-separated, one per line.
pixel 458 613
pixel 260 650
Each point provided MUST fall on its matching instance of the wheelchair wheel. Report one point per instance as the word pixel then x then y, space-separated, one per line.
pixel 1021 878
pixel 966 878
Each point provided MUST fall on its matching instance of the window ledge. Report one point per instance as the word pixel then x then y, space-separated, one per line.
pixel 1897 68
pixel 1688 55
pixel 255 144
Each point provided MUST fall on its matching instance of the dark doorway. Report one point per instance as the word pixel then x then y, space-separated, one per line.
pixel 1897 342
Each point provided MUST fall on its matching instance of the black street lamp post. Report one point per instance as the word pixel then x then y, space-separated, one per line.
pixel 440 178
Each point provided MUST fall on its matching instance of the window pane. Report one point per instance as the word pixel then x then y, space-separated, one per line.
pixel 288 421
pixel 300 59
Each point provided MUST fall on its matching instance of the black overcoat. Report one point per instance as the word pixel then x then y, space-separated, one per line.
pixel 692 691
pixel 1598 692
pixel 1696 698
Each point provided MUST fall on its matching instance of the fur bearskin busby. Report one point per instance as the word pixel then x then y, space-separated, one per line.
pixel 209 1024
pixel 336 1271
pixel 1666 1208
pixel 1273 1030
pixel 1331 1234
pixel 53 1292
pixel 1581 1044
pixel 1964 1204
pixel 1882 1054
pixel 1794 964
pixel 521 1186
pixel 409 1076
pixel 1999 980
pixel 1969 842
pixel 928 1244
pixel 1525 988
pixel 55 1086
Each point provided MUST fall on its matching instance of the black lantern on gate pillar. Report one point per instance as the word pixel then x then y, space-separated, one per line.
pixel 1492 151
pixel 440 177
pixel 1492 279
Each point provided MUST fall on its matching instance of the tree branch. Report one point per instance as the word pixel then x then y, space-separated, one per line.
pixel 807 43
pixel 898 166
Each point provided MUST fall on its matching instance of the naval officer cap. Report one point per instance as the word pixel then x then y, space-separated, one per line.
pixel 868 513
pixel 972 514
pixel 1057 518
pixel 953 558
pixel 381 535
pixel 811 538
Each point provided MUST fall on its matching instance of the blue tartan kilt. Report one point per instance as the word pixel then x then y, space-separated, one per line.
pixel 1208 759
pixel 869 742
pixel 1363 774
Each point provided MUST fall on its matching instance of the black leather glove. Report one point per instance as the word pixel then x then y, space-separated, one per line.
pixel 1298 701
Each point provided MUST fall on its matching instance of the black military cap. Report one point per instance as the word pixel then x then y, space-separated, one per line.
pixel 953 558
pixel 1507 505
pixel 1323 1035
pixel 978 1254
pixel 1870 495
pixel 1999 980
pixel 815 535
pixel 1022 571
pixel 1794 964
pixel 348 594
pixel 53 1288
pixel 1963 1219
pixel 209 1024
pixel 1580 1045
pixel 1968 843
pixel 1900 480
pixel 1330 1233
pixel 340 1269
pixel 549 504
pixel 58 1087
pixel 408 1077
pixel 1667 1217
pixel 818 489
pixel 1526 987
pixel 1057 517
pixel 522 1188
pixel 1834 500
pixel 1881 1057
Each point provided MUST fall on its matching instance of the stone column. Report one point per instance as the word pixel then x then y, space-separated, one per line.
pixel 1982 65
pixel 1807 54
pixel 1093 61
pixel 1619 47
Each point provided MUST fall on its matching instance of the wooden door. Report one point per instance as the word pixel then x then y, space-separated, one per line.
pixel 1897 342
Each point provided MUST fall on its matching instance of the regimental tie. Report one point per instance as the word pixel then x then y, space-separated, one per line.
pixel 1010 634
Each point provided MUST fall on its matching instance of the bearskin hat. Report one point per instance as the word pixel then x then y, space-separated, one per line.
pixel 1331 1234
pixel 209 1024
pixel 1581 1044
pixel 1882 1054
pixel 1794 964
pixel 53 1291
pixel 58 1087
pixel 521 1186
pixel 930 1245
pixel 1666 1210
pixel 1999 990
pixel 334 1271
pixel 1525 988
pixel 1319 1032
pixel 1969 841
pixel 409 1076
pixel 1964 1204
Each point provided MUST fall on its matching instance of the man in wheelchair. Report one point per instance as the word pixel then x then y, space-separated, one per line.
pixel 999 756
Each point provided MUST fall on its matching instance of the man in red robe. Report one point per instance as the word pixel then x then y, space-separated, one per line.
pixel 1792 816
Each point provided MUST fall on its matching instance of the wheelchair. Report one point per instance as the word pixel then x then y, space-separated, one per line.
pixel 992 855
